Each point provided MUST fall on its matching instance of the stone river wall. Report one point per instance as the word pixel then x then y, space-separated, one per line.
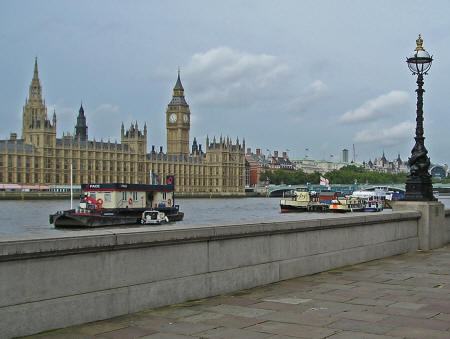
pixel 50 282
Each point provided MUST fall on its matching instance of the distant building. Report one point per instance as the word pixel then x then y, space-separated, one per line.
pixel 309 165
pixel 40 158
pixel 258 162
pixel 345 155
pixel 383 165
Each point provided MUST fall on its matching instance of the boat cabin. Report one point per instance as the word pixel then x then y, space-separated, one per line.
pixel 327 196
pixel 116 195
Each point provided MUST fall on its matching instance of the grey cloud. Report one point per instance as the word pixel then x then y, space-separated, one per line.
pixel 386 136
pixel 224 76
pixel 374 109
pixel 315 92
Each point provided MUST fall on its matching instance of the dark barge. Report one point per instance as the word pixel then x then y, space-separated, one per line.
pixel 115 204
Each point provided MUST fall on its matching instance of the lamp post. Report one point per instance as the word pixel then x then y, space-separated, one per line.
pixel 418 183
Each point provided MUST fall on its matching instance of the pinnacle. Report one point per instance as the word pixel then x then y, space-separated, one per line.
pixel 178 84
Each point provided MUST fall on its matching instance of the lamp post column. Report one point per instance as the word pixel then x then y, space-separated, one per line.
pixel 431 227
pixel 419 185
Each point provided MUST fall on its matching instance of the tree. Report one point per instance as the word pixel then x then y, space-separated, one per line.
pixel 345 175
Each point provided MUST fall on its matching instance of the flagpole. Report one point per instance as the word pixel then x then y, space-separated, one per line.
pixel 71 186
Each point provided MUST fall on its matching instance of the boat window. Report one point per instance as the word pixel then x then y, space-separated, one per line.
pixel 107 197
pixel 124 196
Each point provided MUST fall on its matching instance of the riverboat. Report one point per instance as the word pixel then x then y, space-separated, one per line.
pixel 153 217
pixel 373 200
pixel 119 204
pixel 303 201
pixel 373 206
pixel 347 204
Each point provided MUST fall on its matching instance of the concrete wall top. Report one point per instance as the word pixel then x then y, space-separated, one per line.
pixel 73 242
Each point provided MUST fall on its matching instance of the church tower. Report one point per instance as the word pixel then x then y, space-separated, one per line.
pixel 178 122
pixel 81 129
pixel 36 127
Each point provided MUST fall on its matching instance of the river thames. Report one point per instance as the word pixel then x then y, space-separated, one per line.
pixel 31 217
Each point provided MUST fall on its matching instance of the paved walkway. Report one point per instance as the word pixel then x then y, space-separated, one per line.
pixel 406 296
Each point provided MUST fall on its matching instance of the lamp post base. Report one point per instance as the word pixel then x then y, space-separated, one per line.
pixel 419 189
pixel 431 230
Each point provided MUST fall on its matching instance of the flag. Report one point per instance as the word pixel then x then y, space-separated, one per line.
pixel 155 179
pixel 170 180
pixel 324 181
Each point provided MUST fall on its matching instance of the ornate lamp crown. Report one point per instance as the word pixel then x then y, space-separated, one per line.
pixel 420 61
pixel 419 43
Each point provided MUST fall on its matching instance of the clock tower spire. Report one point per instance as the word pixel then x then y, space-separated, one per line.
pixel 178 121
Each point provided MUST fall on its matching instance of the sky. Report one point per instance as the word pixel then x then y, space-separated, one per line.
pixel 306 77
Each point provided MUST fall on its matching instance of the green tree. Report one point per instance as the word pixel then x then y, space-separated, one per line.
pixel 346 175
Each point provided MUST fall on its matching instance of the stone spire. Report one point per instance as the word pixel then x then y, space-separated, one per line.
pixel 194 146
pixel 35 91
pixel 81 129
pixel 178 93
pixel 178 85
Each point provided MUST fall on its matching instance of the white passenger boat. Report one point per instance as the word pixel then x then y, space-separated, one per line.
pixel 347 204
pixel 153 217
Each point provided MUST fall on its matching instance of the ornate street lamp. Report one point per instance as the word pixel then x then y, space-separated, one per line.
pixel 418 184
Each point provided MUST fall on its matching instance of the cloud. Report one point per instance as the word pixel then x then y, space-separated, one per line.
pixel 224 76
pixel 104 121
pixel 374 109
pixel 312 94
pixel 389 136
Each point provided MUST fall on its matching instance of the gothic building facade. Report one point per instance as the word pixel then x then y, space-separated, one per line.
pixel 383 165
pixel 39 157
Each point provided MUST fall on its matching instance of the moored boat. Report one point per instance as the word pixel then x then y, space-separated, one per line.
pixel 373 200
pixel 347 204
pixel 119 204
pixel 373 205
pixel 303 201
pixel 153 217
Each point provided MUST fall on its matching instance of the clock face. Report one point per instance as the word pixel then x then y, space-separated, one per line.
pixel 185 118
pixel 173 117
pixel 35 91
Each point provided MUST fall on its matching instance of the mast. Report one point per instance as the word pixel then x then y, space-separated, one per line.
pixel 71 186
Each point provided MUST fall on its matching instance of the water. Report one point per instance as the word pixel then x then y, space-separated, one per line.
pixel 31 217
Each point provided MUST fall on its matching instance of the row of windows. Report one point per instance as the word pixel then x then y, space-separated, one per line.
pixel 35 178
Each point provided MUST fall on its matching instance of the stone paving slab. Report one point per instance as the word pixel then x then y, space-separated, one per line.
pixel 406 296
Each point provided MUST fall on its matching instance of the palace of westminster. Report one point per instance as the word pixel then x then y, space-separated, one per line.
pixel 40 158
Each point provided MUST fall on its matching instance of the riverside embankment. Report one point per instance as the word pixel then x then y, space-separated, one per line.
pixel 52 281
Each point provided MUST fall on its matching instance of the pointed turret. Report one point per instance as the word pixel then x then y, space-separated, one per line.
pixel 194 146
pixel 178 93
pixel 35 91
pixel 36 73
pixel 178 85
pixel 81 129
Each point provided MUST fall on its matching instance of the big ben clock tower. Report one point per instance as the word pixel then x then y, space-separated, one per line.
pixel 178 122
